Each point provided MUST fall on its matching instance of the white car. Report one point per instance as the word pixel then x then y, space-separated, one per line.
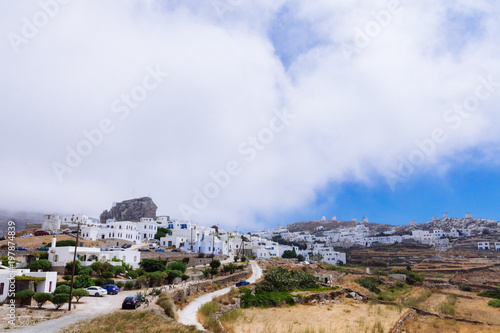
pixel 96 291
pixel 27 236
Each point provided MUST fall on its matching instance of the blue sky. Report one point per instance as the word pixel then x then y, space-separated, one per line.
pixel 252 114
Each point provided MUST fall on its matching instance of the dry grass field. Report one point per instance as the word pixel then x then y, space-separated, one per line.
pixel 428 324
pixel 346 317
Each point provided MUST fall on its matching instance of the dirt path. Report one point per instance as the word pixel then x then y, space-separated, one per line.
pixel 187 316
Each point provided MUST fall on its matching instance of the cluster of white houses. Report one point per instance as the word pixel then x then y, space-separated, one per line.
pixel 488 246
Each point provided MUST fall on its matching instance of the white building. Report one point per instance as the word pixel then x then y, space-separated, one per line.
pixel 483 245
pixel 497 246
pixel 60 256
pixel 51 222
pixel 46 286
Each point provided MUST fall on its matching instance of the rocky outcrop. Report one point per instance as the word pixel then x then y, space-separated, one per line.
pixel 131 210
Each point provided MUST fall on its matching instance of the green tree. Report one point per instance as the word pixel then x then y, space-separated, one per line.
pixel 206 272
pixel 236 258
pixel 243 258
pixel 69 267
pixel 62 289
pixel 156 278
pixel 172 275
pixel 96 267
pixel 24 297
pixel 151 265
pixel 59 299
pixel 161 232
pixel 119 270
pixel 132 274
pixel 300 257
pixel 79 293
pixel 107 274
pixel 129 285
pixel 178 265
pixel 289 254
pixel 215 264
pixel 41 298
pixel 83 281
pixel 86 270
pixel 42 264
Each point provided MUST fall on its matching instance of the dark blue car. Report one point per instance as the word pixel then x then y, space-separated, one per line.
pixel 242 283
pixel 112 289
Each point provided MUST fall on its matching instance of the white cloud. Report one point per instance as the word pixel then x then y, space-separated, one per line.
pixel 353 119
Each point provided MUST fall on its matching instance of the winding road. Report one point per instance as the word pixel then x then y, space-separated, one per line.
pixel 187 316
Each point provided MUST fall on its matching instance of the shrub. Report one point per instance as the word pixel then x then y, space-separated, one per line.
pixel 69 267
pixel 236 258
pixel 62 289
pixel 107 274
pixel 177 265
pixel 490 293
pixel 41 298
pixel 281 279
pixel 132 274
pixel 288 254
pixel 24 296
pixel 172 275
pixel 184 277
pixel 42 264
pixel 300 257
pixel 140 271
pixel 209 308
pixel 68 242
pixel 83 281
pixel 86 271
pixel 120 284
pixel 215 263
pixel 465 288
pixel 59 300
pixel 243 258
pixel 206 272
pixel 411 277
pixel 167 304
pixel 67 277
pixel 494 303
pixel 118 270
pixel 265 299
pixel 129 285
pixel 79 293
pixel 447 308
pixel 331 267
pixel 151 265
pixel 371 284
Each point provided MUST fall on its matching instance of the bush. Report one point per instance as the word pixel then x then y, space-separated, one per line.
pixel 288 254
pixel 107 274
pixel 371 284
pixel 490 293
pixel 331 267
pixel 151 265
pixel 118 270
pixel 494 303
pixel 132 274
pixel 215 263
pixel 69 267
pixel 83 281
pixel 167 304
pixel 129 285
pixel 42 264
pixel 67 277
pixel 68 242
pixel 177 265
pixel 41 298
pixel 411 277
pixel 79 293
pixel 236 258
pixel 140 271
pixel 206 272
pixel 447 308
pixel 243 258
pixel 59 300
pixel 281 279
pixel 120 284
pixel 24 296
pixel 265 299
pixel 184 277
pixel 172 275
pixel 86 271
pixel 62 289
pixel 465 288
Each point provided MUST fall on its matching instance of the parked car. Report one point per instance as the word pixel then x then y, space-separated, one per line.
pixel 131 302
pixel 44 248
pixel 160 250
pixel 144 249
pixel 96 291
pixel 176 250
pixel 73 231
pixel 41 233
pixel 112 289
pixel 115 248
pixel 20 248
pixel 126 246
pixel 27 235
pixel 242 283
pixel 56 232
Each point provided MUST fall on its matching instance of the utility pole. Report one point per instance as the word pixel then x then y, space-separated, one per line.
pixel 73 270
pixel 213 242
pixel 191 237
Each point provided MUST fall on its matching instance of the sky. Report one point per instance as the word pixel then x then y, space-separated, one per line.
pixel 251 114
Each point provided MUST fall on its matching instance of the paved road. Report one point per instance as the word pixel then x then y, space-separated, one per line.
pixel 187 316
pixel 87 308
